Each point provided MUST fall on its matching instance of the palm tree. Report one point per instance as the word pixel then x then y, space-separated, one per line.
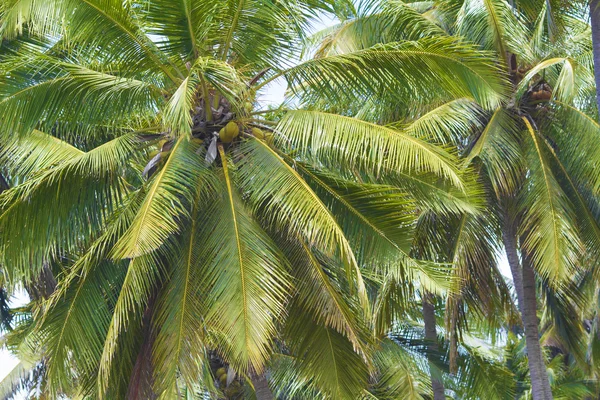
pixel 191 233
pixel 542 193
pixel 448 235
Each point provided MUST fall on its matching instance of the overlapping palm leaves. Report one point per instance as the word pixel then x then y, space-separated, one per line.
pixel 242 247
pixel 524 146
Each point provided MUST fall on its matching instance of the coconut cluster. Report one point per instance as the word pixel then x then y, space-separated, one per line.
pixel 222 126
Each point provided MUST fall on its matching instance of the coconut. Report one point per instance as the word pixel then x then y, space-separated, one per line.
pixel 269 137
pixel 223 380
pixel 258 133
pixel 229 132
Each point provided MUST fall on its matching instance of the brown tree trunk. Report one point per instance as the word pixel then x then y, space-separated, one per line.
pixel 540 384
pixel 595 22
pixel 509 237
pixel 432 343
pixel 141 381
pixel 524 281
pixel 261 387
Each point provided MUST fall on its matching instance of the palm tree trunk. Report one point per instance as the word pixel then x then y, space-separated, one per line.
pixel 595 22
pixel 509 238
pixel 540 384
pixel 141 380
pixel 524 281
pixel 261 387
pixel 431 337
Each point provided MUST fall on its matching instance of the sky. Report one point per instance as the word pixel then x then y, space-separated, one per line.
pixel 273 95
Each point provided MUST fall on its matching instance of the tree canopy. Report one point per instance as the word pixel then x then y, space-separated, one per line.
pixel 180 238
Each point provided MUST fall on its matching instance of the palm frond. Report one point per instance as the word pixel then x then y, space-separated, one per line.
pixel 404 71
pixel 180 310
pixel 549 230
pixel 37 90
pixel 339 140
pixel 74 196
pixel 168 195
pixel 243 273
pixel 326 359
pixel 35 152
pixel 493 25
pixel 287 202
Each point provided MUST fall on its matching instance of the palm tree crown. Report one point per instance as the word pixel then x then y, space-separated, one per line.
pixel 188 227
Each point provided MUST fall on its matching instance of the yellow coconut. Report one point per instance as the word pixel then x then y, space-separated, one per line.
pixel 229 132
pixel 223 380
pixel 258 133
pixel 221 371
pixel 269 137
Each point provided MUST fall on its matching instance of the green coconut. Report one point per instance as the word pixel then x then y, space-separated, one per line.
pixel 229 132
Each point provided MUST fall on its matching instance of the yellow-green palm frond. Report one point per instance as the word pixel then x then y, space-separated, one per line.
pixel 449 123
pixel 73 196
pixel 42 90
pixel 498 146
pixel 168 195
pixel 391 22
pixel 181 309
pixel 403 71
pixel 494 26
pixel 338 140
pixel 177 116
pixel 35 152
pixel 324 358
pixel 287 203
pixel 244 277
pixel 322 293
pixel 549 230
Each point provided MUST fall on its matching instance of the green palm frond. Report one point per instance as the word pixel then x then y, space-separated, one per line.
pixel 326 359
pixel 404 71
pixel 575 132
pixel 339 140
pixel 493 25
pixel 392 22
pixel 480 377
pixel 449 122
pixel 549 231
pixel 136 294
pixel 322 293
pixel 180 310
pixel 35 152
pixel 182 26
pixel 74 196
pixel 287 203
pixel 498 145
pixel 378 219
pixel 564 82
pixel 223 78
pixel 244 275
pixel 399 375
pixel 42 90
pixel 65 321
pixel 111 26
pixel 394 301
pixel 168 195
pixel 442 197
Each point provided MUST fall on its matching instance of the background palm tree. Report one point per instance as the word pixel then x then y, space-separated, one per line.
pixel 535 188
